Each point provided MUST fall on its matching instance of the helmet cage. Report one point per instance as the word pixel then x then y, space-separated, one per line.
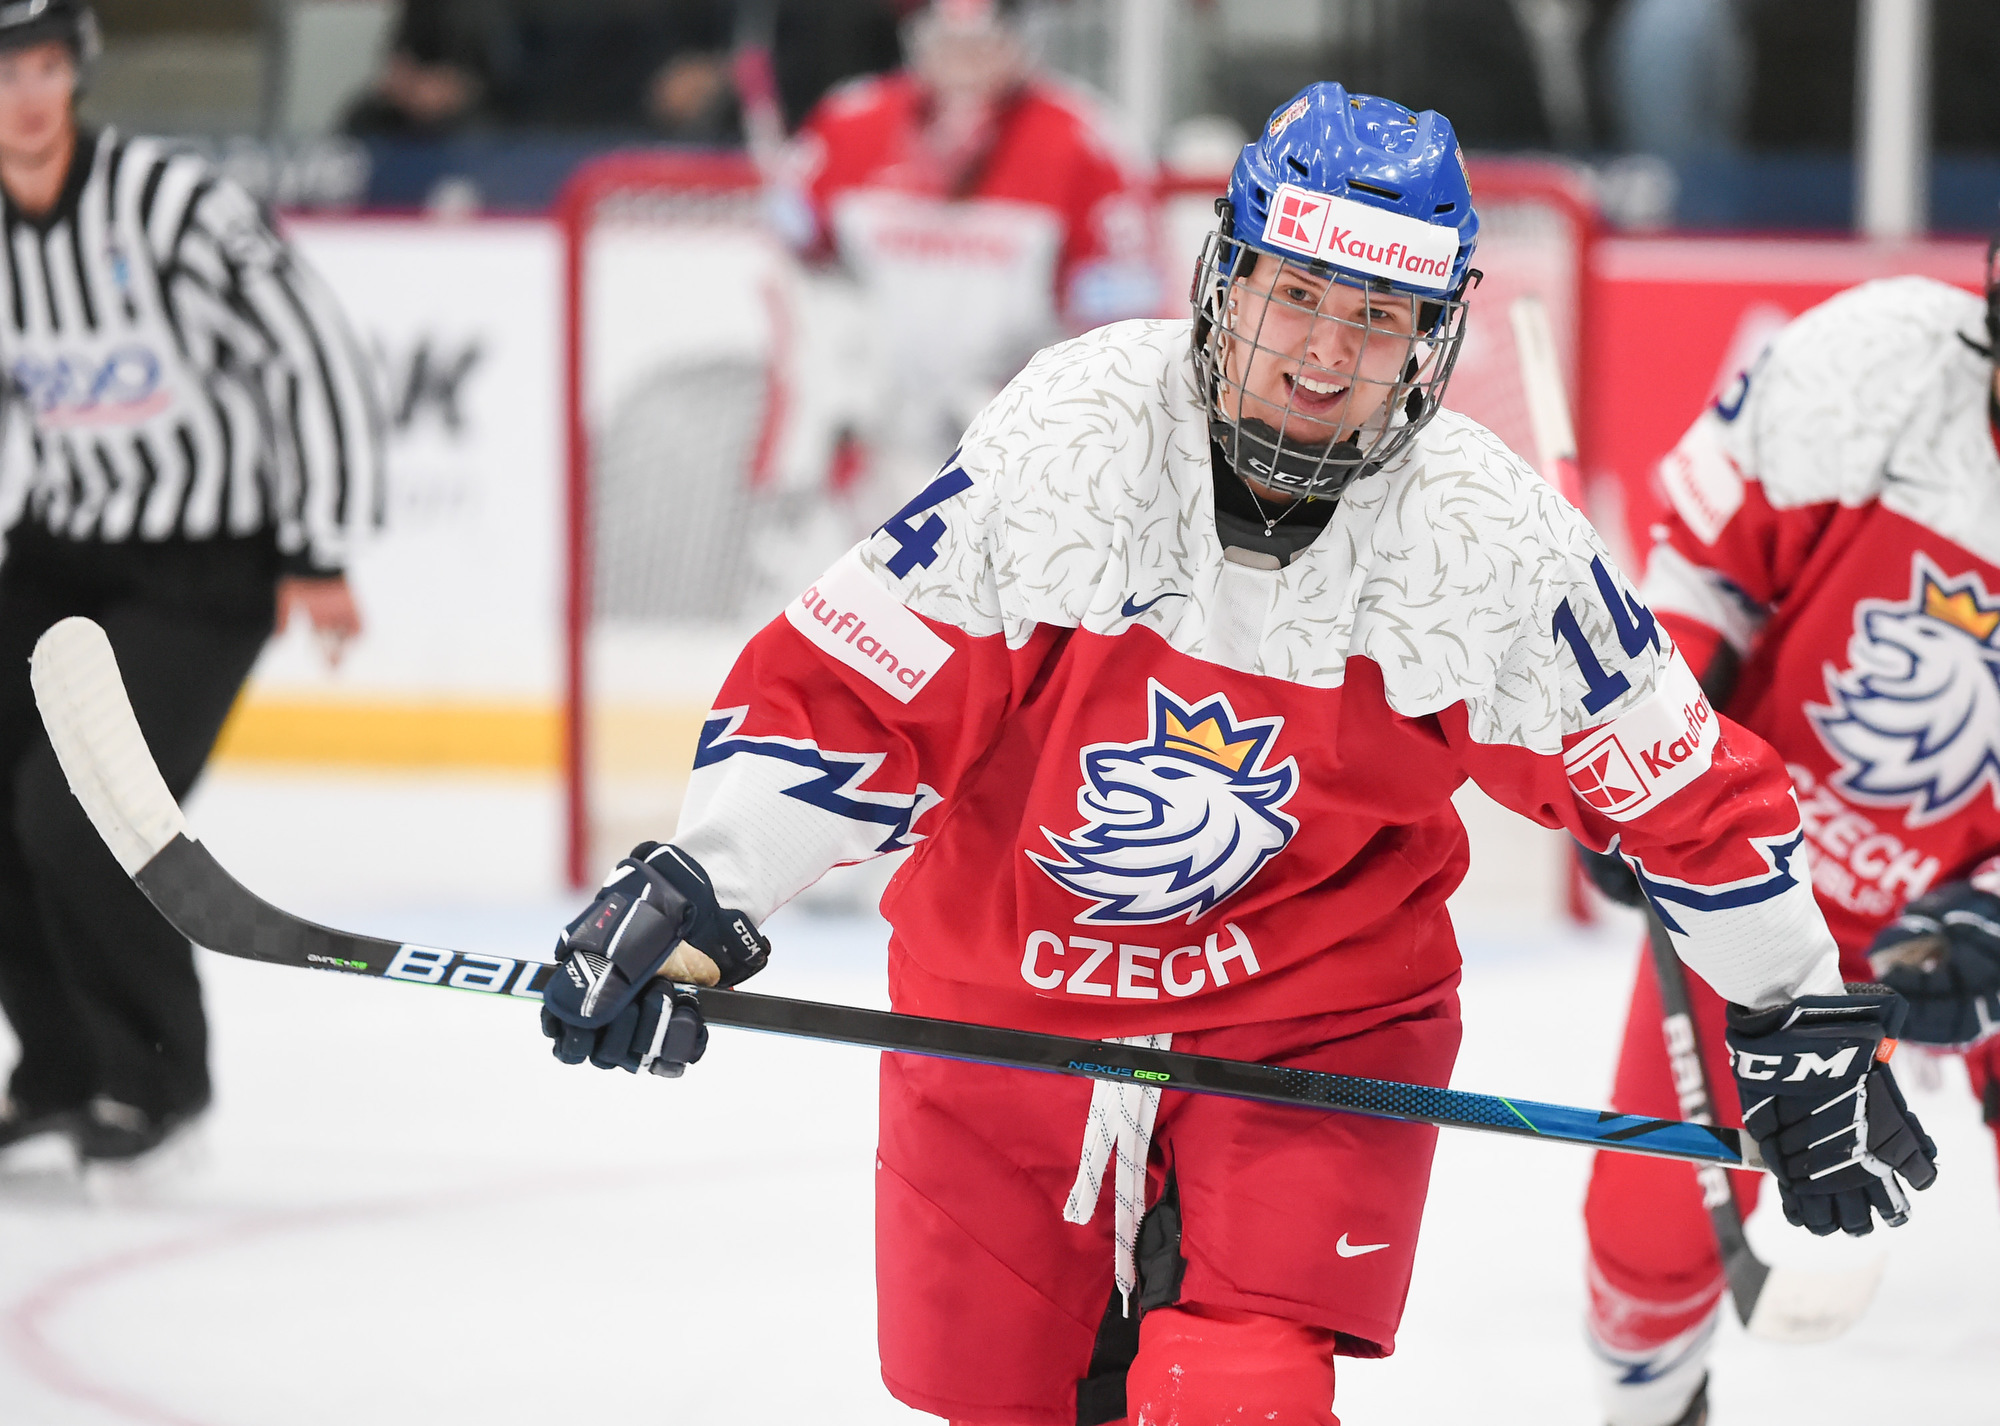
pixel 1379 416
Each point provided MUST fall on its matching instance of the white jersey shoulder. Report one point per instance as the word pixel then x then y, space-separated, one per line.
pixel 1084 502
pixel 1874 394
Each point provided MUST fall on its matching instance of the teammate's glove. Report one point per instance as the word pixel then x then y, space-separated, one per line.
pixel 1610 874
pixel 1823 1106
pixel 654 921
pixel 1943 955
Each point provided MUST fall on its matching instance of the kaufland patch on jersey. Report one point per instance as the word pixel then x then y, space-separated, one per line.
pixel 1648 753
pixel 1361 239
pixel 859 623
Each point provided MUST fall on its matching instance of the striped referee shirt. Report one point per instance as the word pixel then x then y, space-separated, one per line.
pixel 182 373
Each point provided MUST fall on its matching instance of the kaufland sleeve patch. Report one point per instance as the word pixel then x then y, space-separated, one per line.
pixel 857 622
pixel 1647 754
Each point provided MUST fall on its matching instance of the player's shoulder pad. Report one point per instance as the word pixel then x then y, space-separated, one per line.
pixel 1046 476
pixel 1464 527
pixel 1818 414
pixel 1084 410
pixel 1460 477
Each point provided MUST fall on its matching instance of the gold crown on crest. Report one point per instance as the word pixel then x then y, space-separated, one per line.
pixel 1206 740
pixel 1961 610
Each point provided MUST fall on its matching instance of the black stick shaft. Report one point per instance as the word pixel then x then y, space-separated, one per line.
pixel 1747 1272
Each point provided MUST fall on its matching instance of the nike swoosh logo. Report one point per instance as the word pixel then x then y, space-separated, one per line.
pixel 1133 611
pixel 1355 1250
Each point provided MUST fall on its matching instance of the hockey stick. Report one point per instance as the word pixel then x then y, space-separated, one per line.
pixel 1548 403
pixel 104 755
pixel 1778 1304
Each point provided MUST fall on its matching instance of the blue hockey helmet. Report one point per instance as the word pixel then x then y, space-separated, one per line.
pixel 1327 143
pixel 1359 192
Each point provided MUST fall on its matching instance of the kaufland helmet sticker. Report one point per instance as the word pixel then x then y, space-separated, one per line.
pixel 1179 821
pixel 1282 122
pixel 1361 239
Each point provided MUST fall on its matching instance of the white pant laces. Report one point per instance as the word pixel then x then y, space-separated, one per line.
pixel 1120 1123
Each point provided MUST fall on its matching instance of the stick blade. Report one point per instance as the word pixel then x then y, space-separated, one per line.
pixel 97 740
pixel 1802 1307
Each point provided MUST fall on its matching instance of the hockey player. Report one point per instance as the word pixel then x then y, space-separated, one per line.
pixel 1831 562
pixel 193 436
pixel 1170 676
pixel 984 210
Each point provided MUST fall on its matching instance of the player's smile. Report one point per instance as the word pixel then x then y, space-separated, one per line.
pixel 1319 359
pixel 1316 397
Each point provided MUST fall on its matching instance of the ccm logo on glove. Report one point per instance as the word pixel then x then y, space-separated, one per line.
pixel 1835 1066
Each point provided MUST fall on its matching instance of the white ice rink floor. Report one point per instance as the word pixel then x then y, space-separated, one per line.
pixel 409 1215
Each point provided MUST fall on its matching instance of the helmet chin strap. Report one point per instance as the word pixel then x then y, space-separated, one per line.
pixel 1259 453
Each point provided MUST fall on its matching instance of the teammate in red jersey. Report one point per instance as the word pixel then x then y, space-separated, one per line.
pixel 985 210
pixel 1832 563
pixel 1169 677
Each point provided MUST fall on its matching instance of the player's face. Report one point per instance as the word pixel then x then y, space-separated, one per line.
pixel 35 88
pixel 965 64
pixel 1314 359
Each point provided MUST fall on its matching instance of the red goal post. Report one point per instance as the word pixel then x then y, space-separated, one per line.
pixel 678 295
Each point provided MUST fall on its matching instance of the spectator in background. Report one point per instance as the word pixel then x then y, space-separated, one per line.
pixel 1677 76
pixel 1802 89
pixel 440 70
pixel 1475 59
pixel 661 65
pixel 1965 52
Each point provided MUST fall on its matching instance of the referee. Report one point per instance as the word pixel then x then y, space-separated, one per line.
pixel 191 446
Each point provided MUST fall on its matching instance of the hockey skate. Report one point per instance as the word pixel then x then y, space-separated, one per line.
pixel 1666 1386
pixel 36 1144
pixel 128 1154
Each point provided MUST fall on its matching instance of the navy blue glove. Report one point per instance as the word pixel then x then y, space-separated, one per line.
pixel 1824 1108
pixel 1943 955
pixel 655 917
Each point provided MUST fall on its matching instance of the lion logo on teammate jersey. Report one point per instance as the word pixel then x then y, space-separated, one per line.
pixel 1915 719
pixel 1178 822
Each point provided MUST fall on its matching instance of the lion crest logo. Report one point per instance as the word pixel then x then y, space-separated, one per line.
pixel 1177 822
pixel 1915 718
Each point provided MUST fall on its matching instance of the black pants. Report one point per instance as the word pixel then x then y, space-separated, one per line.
pixel 100 991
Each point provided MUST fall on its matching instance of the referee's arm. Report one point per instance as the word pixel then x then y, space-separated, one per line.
pixel 326 418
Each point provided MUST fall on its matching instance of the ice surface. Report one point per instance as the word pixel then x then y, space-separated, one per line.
pixel 409 1215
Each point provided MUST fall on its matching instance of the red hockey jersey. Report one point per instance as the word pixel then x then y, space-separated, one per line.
pixel 1154 788
pixel 1836 519
pixel 1051 190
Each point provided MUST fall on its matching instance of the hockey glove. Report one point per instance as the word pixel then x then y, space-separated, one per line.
pixel 655 920
pixel 1820 1100
pixel 1943 955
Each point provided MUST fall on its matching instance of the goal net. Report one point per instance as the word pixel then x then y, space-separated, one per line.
pixel 715 389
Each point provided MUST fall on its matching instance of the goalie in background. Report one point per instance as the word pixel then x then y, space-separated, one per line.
pixel 192 445
pixel 984 209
